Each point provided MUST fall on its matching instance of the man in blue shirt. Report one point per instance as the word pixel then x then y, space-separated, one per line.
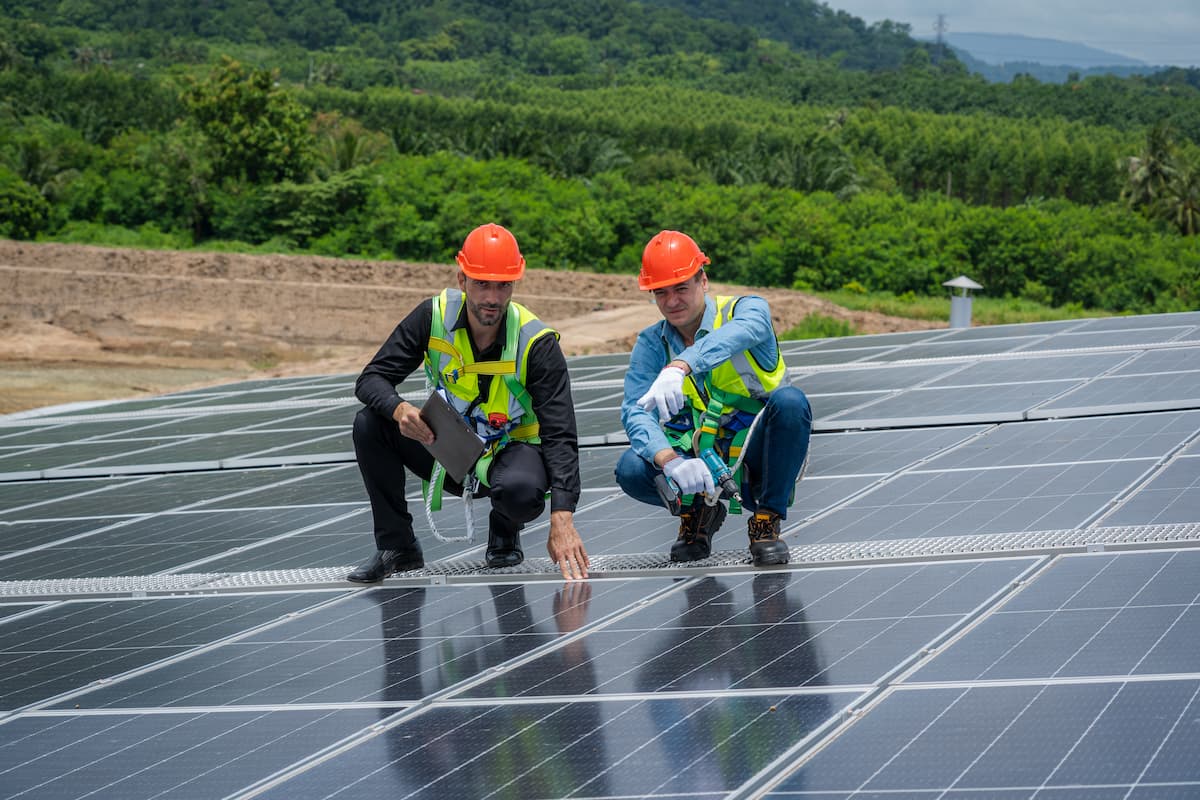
pixel 710 376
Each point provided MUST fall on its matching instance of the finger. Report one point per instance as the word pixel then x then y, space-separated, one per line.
pixel 568 569
pixel 663 409
pixel 580 560
pixel 646 400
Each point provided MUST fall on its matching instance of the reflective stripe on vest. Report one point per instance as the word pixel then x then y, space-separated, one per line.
pixel 740 383
pixel 450 365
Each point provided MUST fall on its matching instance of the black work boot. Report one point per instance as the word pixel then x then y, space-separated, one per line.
pixel 386 562
pixel 765 545
pixel 696 528
pixel 504 543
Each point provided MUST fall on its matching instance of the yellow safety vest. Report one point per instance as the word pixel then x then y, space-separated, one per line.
pixel 506 414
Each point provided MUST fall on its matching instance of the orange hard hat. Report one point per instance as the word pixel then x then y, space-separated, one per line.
pixel 490 253
pixel 671 257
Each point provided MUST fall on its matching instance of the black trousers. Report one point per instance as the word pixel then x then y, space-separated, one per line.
pixel 517 476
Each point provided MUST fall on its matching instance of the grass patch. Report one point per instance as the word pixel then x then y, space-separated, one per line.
pixel 146 237
pixel 984 310
pixel 819 326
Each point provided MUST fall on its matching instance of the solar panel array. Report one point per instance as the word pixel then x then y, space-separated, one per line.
pixel 994 592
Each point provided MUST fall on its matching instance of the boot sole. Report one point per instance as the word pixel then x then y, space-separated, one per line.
pixel 770 559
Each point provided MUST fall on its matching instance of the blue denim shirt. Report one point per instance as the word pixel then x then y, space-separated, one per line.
pixel 750 329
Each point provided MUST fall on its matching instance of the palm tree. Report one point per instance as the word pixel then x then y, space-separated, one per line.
pixel 1181 197
pixel 1149 171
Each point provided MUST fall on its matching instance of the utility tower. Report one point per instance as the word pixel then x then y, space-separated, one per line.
pixel 940 27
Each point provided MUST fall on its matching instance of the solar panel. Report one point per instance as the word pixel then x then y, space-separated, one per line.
pixel 993 593
pixel 1090 740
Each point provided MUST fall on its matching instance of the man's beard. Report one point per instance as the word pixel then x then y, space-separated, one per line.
pixel 477 310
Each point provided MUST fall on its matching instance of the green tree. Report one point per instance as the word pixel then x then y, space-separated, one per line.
pixel 23 210
pixel 255 130
pixel 343 144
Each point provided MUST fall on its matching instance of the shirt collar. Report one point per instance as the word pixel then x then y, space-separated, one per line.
pixel 706 325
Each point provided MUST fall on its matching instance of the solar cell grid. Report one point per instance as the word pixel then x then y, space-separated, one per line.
pixel 974 502
pixel 1033 369
pixel 344 542
pixel 19 537
pixel 839 628
pixel 959 348
pixel 1121 338
pixel 331 447
pixel 1140 321
pixel 1128 392
pixel 1089 616
pixel 1013 741
pixel 183 755
pixel 296 486
pixel 1152 362
pixel 827 408
pixel 1041 329
pixel 381 646
pixel 69 433
pixel 158 543
pixel 871 379
pixel 208 423
pixel 1148 436
pixel 1170 496
pixel 68 646
pixel 19 495
pixel 270 396
pixel 618 749
pixel 881 452
pixel 842 354
pixel 968 404
pixel 209 449
pixel 867 340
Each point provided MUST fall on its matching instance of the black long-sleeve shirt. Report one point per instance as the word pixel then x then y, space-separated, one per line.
pixel 547 381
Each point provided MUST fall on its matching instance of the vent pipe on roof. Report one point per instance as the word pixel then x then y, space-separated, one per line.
pixel 960 304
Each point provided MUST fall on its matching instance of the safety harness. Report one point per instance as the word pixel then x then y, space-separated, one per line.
pixel 725 405
pixel 505 415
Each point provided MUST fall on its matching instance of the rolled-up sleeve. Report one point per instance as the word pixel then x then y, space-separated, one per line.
pixel 649 356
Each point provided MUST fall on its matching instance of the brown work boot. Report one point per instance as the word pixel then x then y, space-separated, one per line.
pixel 765 545
pixel 696 528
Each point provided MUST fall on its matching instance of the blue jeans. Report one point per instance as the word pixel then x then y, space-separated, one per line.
pixel 773 459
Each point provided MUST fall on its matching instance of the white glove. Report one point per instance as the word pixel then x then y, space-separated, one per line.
pixel 666 393
pixel 690 474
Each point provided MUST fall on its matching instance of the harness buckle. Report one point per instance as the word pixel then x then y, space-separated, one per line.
pixel 497 419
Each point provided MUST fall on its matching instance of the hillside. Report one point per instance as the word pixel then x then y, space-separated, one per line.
pixel 995 48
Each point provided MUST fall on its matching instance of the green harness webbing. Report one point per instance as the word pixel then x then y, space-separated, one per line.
pixel 709 430
pixel 505 368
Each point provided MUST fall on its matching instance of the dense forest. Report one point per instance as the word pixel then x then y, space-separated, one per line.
pixel 799 145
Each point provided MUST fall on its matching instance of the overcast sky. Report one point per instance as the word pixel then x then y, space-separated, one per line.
pixel 1154 31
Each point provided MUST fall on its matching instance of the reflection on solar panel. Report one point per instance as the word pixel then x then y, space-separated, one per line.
pixel 994 592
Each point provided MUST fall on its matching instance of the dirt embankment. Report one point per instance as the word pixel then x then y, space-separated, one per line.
pixel 87 323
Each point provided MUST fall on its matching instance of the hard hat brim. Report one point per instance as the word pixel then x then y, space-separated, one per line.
pixel 647 283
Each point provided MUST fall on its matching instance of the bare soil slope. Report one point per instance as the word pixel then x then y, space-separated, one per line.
pixel 88 323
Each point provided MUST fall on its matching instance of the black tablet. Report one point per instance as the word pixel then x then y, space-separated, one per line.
pixel 455 445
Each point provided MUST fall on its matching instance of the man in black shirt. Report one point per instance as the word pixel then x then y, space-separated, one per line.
pixel 501 369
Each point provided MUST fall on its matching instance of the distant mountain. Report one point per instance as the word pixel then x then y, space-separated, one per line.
pixel 1003 48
